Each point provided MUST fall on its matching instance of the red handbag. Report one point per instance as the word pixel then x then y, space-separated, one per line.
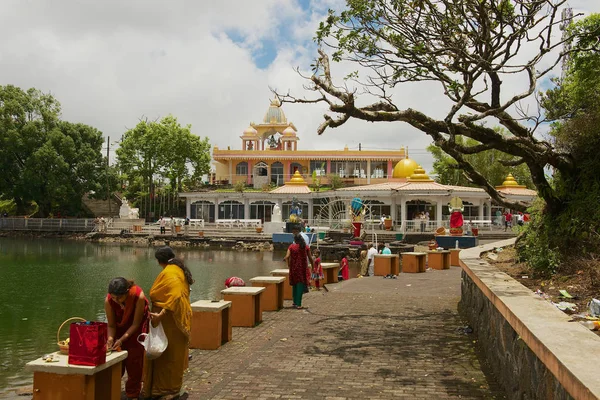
pixel 87 345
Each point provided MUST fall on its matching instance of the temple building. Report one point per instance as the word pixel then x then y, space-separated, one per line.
pixel 270 155
pixel 389 183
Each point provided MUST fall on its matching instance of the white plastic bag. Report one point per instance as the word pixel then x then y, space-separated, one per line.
pixel 155 342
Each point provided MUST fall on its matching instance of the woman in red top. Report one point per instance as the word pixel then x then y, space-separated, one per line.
pixel 344 268
pixel 126 310
pixel 297 262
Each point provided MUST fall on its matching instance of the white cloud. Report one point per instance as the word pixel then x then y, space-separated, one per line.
pixel 111 62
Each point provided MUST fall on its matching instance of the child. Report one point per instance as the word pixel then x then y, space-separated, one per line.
pixel 343 272
pixel 317 273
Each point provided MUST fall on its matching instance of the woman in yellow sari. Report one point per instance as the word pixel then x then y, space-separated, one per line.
pixel 170 296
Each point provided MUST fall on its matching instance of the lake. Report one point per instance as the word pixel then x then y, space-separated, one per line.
pixel 43 282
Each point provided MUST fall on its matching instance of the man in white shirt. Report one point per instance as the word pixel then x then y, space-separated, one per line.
pixel 371 259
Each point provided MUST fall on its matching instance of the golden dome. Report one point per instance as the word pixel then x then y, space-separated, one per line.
pixel 419 175
pixel 297 179
pixel 289 131
pixel 250 131
pixel 510 181
pixel 404 168
pixel 275 114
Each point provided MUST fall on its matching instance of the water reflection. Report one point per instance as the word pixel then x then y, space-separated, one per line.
pixel 44 282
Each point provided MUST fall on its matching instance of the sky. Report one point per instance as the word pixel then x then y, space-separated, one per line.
pixel 209 63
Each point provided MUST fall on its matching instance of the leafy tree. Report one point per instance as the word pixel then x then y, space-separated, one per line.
pixel 574 108
pixel 156 152
pixel 488 163
pixel 469 48
pixel 43 159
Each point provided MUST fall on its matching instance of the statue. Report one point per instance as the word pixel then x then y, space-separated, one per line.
pixel 456 218
pixel 295 211
pixel 250 146
pixel 357 213
pixel 124 210
pixel 276 216
pixel 134 213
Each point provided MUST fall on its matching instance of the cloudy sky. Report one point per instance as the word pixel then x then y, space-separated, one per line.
pixel 209 63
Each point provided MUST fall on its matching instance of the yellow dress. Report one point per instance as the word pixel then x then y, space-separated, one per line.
pixel 164 375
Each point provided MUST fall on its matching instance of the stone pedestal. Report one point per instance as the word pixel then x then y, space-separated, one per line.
pixel 454 260
pixel 272 297
pixel 211 324
pixel 413 262
pixel 387 264
pixel 330 272
pixel 287 288
pixel 246 308
pixel 63 381
pixel 438 259
pixel 273 227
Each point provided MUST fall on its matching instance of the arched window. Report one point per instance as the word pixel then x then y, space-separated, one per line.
pixel 203 209
pixel 261 169
pixel 261 210
pixel 231 209
pixel 277 173
pixel 241 168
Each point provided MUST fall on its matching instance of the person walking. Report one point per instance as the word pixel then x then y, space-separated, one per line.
pixel 170 297
pixel 172 224
pixel 343 271
pixel 317 271
pixel 162 223
pixel 126 310
pixel 364 261
pixel 371 259
pixel 186 226
pixel 298 257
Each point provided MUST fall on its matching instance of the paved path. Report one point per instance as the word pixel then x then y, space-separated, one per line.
pixel 367 338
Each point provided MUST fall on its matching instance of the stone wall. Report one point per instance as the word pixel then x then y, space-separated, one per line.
pixel 530 346
pixel 515 366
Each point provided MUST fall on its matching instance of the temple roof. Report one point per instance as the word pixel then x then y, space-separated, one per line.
pixel 274 114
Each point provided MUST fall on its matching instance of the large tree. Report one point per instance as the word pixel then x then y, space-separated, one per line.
pixel 470 48
pixel 43 159
pixel 159 153
pixel 488 163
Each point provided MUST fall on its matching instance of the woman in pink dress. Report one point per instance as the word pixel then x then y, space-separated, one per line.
pixel 344 268
pixel 297 262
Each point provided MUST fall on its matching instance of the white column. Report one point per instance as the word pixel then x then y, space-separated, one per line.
pixel 393 207
pixel 247 208
pixel 188 207
pixel 310 211
pixel 403 214
pixel 216 209
pixel 481 202
pixel 368 172
pixel 438 211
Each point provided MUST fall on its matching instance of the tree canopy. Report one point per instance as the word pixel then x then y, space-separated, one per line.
pixel 42 158
pixel 161 153
pixel 470 48
pixel 488 163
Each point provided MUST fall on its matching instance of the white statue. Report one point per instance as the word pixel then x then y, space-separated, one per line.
pixel 125 210
pixel 276 216
pixel 134 213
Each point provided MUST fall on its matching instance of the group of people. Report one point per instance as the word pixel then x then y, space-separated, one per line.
pixel 367 257
pixel 507 217
pixel 129 313
pixel 162 222
pixel 305 267
pixel 100 224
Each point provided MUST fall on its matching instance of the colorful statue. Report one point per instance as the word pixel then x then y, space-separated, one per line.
pixel 295 211
pixel 456 218
pixel 357 213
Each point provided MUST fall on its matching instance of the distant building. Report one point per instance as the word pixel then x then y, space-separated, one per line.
pixel 389 182
pixel 270 155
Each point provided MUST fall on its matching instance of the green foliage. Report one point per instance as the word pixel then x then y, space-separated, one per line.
pixel 487 162
pixel 43 159
pixel 239 186
pixel 9 206
pixel 335 181
pixel 157 158
pixel 575 107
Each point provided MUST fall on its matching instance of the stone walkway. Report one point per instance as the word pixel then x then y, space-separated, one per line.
pixel 367 338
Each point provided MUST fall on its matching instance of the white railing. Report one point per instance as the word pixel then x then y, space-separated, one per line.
pixel 47 224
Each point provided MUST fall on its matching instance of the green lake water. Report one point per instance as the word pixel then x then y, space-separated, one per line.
pixel 43 282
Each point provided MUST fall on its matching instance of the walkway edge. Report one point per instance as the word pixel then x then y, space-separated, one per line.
pixel 566 349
